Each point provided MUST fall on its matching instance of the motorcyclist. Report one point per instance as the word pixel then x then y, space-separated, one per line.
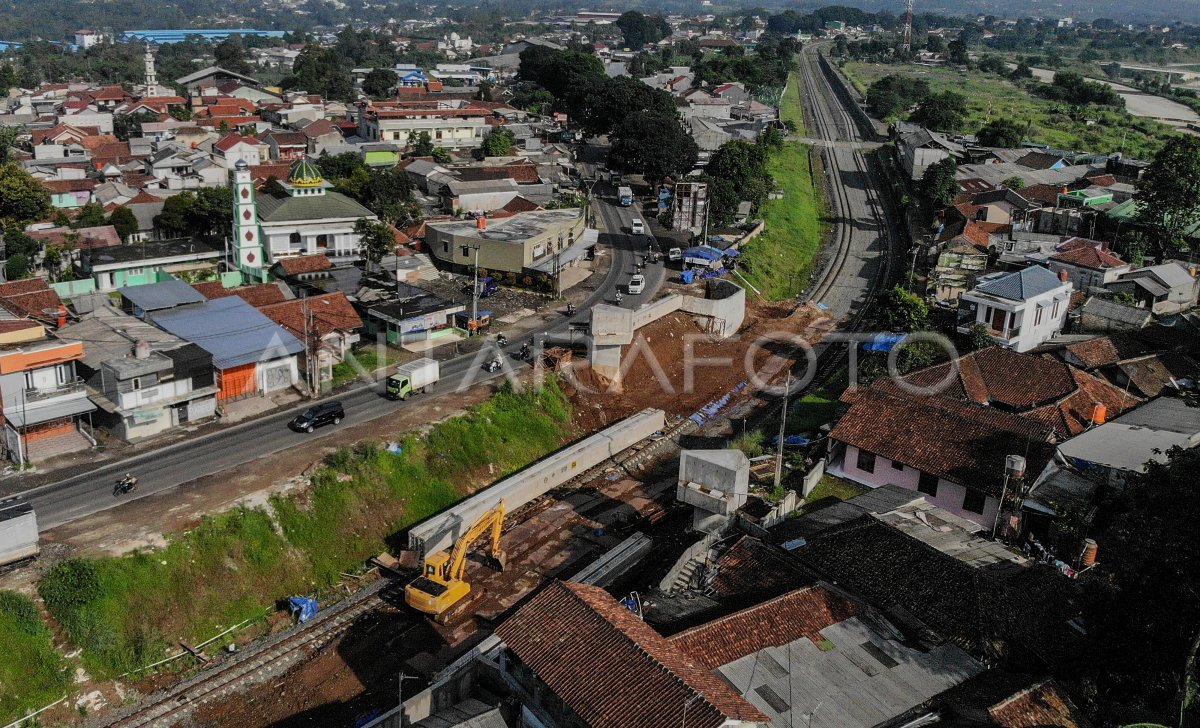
pixel 502 340
pixel 570 309
pixel 619 297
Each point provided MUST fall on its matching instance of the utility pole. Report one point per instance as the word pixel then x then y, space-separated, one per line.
pixel 474 290
pixel 400 689
pixel 782 428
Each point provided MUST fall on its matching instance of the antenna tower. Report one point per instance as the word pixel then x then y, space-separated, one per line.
pixel 906 43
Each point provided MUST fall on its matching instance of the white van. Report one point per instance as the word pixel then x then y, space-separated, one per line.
pixel 638 227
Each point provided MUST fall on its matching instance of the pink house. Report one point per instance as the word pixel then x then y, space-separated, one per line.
pixel 952 452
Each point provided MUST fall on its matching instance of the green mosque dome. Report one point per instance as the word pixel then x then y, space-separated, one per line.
pixel 305 174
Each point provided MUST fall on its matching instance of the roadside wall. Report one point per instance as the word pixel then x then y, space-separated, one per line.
pixel 847 94
pixel 440 531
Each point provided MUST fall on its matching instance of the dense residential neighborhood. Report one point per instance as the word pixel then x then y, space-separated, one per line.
pixel 500 366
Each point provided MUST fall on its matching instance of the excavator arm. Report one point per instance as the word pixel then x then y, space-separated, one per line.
pixel 493 520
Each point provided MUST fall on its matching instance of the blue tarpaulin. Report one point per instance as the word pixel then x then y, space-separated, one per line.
pixel 687 276
pixel 702 252
pixel 305 608
pixel 883 342
pixel 791 440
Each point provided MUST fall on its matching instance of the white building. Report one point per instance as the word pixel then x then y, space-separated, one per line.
pixel 1021 309
pixel 305 219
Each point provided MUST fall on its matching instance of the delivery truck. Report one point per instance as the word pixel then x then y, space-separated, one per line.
pixel 625 196
pixel 413 378
pixel 18 533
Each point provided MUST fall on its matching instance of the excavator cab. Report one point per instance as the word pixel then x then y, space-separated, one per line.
pixel 441 585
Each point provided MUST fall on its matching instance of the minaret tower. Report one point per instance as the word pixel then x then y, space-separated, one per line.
pixel 247 235
pixel 151 75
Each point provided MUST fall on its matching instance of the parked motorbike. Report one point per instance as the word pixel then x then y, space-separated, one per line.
pixel 128 484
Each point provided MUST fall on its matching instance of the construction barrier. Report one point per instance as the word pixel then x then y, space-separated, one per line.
pixel 442 530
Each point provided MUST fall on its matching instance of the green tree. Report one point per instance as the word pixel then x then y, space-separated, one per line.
pixel 640 30
pixel 1141 605
pixel 978 337
pixel 1168 199
pixel 230 54
pixel 17 267
pixel 1021 72
pixel 441 156
pixel 1014 183
pixel 340 166
pixel 652 144
pixel 212 211
pixel 601 103
pixel 485 92
pixel 181 113
pixel 176 215
pixel 375 239
pixel 895 94
pixel 319 70
pixel 902 311
pixel 938 184
pixel 421 143
pixel 498 143
pixel 124 221
pixel 956 52
pixel 559 72
pixel 8 139
pixel 90 215
pixel 22 198
pixel 380 83
pixel 1002 133
pixel 944 111
pixel 736 172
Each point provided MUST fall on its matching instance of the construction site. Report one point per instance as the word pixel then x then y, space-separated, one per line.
pixel 590 512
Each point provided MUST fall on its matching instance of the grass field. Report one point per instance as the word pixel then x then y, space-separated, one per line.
pixel 126 612
pixel 990 97
pixel 32 674
pixel 817 407
pixel 834 487
pixel 370 360
pixel 779 261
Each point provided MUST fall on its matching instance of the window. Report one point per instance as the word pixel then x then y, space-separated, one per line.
pixel 1037 316
pixel 928 484
pixel 136 383
pixel 866 461
pixel 973 502
pixel 1055 312
pixel 897 465
pixel 445 247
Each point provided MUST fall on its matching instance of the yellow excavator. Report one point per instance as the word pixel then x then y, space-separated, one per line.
pixel 441 586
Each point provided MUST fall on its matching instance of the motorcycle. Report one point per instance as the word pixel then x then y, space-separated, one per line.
pixel 128 484
pixel 619 297
pixel 493 365
pixel 501 340
pixel 570 309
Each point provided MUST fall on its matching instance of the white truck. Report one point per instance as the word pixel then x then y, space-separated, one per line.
pixel 412 378
pixel 18 532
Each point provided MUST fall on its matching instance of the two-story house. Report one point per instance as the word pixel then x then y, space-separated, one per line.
pixel 41 398
pixel 1020 309
pixel 144 380
pixel 237 148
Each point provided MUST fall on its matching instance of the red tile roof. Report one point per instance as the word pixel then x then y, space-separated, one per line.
pixel 103 236
pixel 261 294
pixel 952 439
pixel 327 313
pixel 304 264
pixel 1040 388
pixel 773 623
pixel 520 204
pixel 570 635
pixel 1087 256
pixel 32 297
pixel 60 186
pixel 1046 194
pixel 1012 700
pixel 232 140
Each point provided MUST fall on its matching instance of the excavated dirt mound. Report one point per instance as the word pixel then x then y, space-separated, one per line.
pixel 655 366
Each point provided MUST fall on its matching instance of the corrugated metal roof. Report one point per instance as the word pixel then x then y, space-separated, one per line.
pixel 159 296
pixel 230 329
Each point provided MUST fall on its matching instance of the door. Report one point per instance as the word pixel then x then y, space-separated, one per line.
pixel 998 316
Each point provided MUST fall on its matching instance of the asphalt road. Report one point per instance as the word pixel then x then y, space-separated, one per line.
pixel 173 465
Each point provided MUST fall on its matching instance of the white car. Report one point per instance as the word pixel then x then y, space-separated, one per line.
pixel 638 227
pixel 637 284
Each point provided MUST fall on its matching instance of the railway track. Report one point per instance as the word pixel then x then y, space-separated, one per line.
pixel 275 657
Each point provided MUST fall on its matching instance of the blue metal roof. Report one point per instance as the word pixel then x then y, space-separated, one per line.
pixel 1022 284
pixel 157 296
pixel 230 329
pixel 178 35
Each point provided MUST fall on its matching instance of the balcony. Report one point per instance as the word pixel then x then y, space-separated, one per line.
pixel 45 393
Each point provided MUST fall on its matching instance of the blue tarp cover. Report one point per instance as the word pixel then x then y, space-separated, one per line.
pixel 704 252
pixel 883 342
pixel 305 608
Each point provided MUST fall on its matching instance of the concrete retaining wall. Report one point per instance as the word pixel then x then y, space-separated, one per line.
pixel 615 562
pixel 442 530
pixel 848 94
pixel 724 308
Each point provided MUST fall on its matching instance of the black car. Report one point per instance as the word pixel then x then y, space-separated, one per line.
pixel 317 415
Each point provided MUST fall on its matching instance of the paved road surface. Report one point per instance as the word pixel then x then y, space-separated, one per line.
pixel 173 465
